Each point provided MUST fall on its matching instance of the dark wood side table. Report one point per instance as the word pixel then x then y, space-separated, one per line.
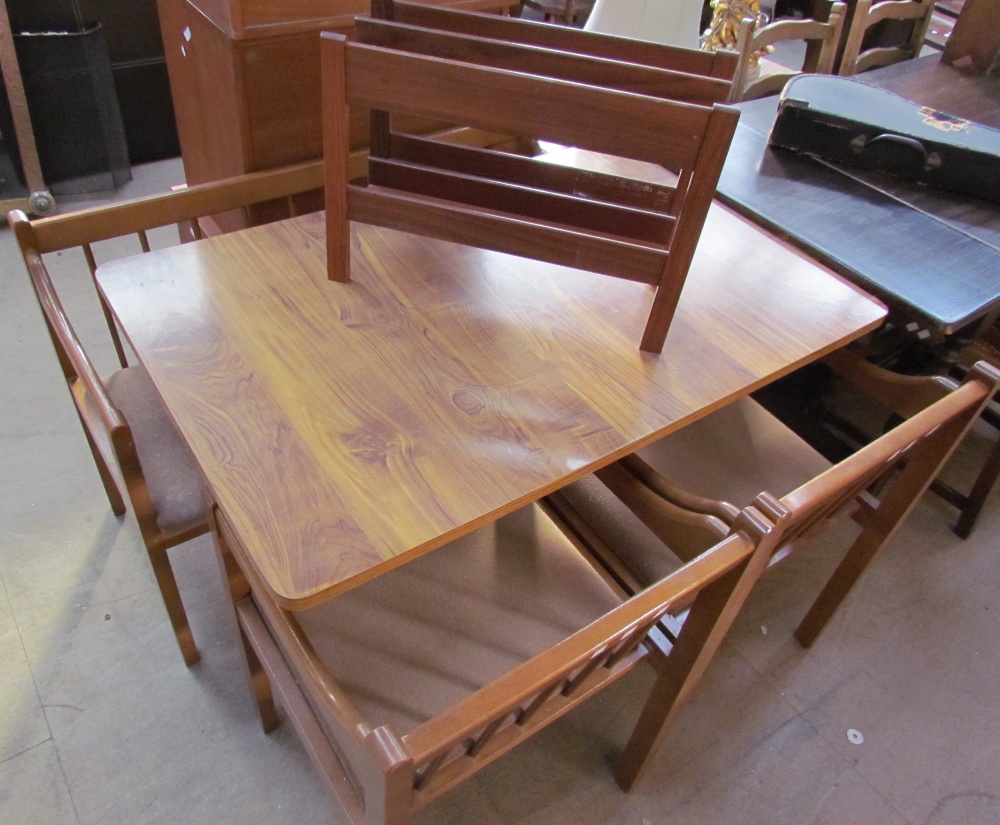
pixel 933 256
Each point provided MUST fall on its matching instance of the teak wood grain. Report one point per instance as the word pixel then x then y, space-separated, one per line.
pixel 344 428
pixel 519 89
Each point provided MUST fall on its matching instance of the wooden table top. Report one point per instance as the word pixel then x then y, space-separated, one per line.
pixel 345 428
pixel 932 254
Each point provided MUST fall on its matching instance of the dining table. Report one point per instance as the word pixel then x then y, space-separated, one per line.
pixel 346 428
pixel 931 255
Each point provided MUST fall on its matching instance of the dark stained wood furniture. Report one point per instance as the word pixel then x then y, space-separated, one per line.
pixel 933 256
pixel 138 452
pixel 822 39
pixel 511 204
pixel 416 680
pixel 38 199
pixel 976 36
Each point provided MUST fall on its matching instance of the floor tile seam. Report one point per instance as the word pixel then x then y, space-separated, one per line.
pixel 768 674
pixel 852 767
pixel 69 789
pixel 489 800
pixel 29 749
pixel 734 757
pixel 27 662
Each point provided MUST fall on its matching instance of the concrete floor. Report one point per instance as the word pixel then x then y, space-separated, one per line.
pixel 100 722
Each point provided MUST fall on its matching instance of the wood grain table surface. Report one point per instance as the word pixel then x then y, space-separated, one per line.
pixel 932 255
pixel 346 428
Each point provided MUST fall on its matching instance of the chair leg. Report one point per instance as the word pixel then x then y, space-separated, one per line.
pixel 239 589
pixel 171 596
pixel 107 479
pixel 260 685
pixel 850 569
pixel 701 635
pixel 977 496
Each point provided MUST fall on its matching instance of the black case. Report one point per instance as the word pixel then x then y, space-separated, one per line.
pixel 847 121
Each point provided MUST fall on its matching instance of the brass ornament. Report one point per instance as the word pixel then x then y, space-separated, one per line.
pixel 724 29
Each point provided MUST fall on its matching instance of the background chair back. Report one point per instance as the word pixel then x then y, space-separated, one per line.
pixel 822 40
pixel 868 13
pixel 593 42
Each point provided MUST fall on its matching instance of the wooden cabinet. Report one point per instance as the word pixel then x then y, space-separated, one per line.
pixel 245 79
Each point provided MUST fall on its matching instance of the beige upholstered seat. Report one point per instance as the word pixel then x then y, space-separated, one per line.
pixel 725 460
pixel 732 455
pixel 413 681
pixel 172 476
pixel 456 619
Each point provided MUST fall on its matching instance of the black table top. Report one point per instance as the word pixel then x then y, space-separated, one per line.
pixel 933 256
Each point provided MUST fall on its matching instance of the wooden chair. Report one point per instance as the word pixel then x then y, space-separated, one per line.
pixel 903 396
pixel 740 450
pixel 518 205
pixel 867 13
pixel 412 682
pixel 563 11
pixel 138 452
pixel 822 39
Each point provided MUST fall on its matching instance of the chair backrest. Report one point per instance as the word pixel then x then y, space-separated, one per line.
pixel 902 463
pixel 593 42
pixel 822 40
pixel 672 22
pixel 514 204
pixel 84 229
pixel 868 13
pixel 388 774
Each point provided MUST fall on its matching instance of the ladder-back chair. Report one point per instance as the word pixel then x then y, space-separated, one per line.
pixel 867 13
pixel 822 40
pixel 508 203
pixel 410 683
pixel 138 452
pixel 715 461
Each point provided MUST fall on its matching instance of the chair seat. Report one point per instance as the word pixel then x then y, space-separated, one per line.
pixel 418 639
pixel 735 453
pixel 175 483
pixel 732 454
